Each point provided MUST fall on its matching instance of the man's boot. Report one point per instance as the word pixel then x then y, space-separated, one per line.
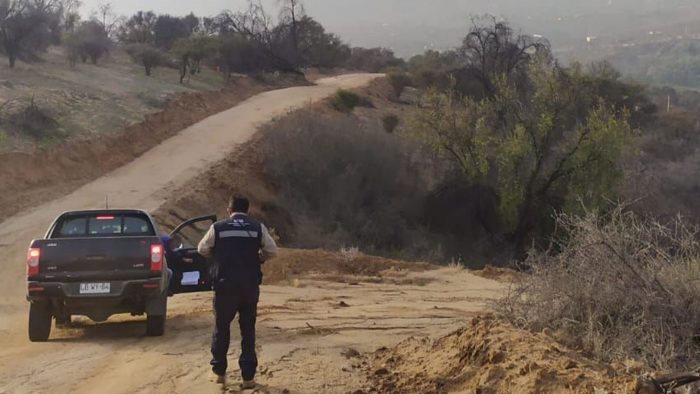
pixel 248 384
pixel 216 378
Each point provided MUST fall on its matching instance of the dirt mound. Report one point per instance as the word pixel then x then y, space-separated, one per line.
pixel 29 178
pixel 489 356
pixel 500 274
pixel 294 263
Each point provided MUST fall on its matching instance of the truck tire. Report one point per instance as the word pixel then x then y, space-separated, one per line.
pixel 156 310
pixel 155 325
pixel 39 322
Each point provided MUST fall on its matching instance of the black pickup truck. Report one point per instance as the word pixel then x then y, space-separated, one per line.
pixel 104 262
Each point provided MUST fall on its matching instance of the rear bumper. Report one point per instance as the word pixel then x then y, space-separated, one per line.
pixel 119 290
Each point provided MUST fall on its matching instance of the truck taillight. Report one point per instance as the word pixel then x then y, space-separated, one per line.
pixel 33 255
pixel 156 258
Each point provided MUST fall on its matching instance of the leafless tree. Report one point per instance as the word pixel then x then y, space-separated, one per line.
pixel 71 15
pixel 291 14
pixel 105 15
pixel 254 23
pixel 493 49
pixel 256 26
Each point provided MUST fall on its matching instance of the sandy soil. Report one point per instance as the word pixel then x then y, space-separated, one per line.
pixel 490 357
pixel 312 337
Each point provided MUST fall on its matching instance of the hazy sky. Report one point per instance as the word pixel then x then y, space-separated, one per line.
pixel 177 7
pixel 410 26
pixel 360 22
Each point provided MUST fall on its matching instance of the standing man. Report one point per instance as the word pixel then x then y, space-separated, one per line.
pixel 239 246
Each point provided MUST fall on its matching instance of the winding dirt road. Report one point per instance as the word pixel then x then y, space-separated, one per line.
pixel 142 183
pixel 303 329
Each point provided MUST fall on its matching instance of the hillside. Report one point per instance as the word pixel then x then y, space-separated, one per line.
pixel 87 100
pixel 103 115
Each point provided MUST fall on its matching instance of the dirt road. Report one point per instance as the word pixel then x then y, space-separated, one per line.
pixel 141 183
pixel 303 327
pixel 303 332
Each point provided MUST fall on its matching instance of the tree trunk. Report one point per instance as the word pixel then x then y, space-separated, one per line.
pixel 522 235
pixel 295 38
pixel 183 72
pixel 13 59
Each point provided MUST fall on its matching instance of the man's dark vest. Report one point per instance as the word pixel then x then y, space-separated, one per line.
pixel 236 253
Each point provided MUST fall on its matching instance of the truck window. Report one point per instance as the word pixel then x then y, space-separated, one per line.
pixel 103 225
pixel 73 227
pixel 136 226
pixel 189 236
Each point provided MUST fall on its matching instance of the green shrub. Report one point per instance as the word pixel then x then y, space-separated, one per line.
pixel 341 181
pixel 345 100
pixel 148 56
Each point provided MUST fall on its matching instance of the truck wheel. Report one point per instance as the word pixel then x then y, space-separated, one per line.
pixel 155 325
pixel 39 322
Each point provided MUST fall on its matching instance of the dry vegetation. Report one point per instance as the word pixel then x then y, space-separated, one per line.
pixel 617 287
pixel 356 184
pixel 351 177
pixel 86 101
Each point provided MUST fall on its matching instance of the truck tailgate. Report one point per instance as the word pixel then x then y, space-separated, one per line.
pixel 76 259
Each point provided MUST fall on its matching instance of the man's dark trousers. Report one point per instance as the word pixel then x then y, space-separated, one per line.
pixel 227 303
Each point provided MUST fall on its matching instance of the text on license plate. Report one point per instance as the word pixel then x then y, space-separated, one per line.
pixel 94 288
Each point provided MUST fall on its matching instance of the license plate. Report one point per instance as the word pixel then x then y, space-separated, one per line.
pixel 94 288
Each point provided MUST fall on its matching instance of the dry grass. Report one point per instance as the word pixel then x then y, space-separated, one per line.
pixel 618 287
pixel 91 100
pixel 350 254
pixel 456 265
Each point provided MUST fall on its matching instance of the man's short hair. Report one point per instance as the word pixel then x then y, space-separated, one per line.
pixel 239 203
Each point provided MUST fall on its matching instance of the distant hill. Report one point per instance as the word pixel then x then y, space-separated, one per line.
pixel 410 26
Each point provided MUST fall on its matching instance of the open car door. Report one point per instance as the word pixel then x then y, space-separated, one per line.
pixel 190 269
